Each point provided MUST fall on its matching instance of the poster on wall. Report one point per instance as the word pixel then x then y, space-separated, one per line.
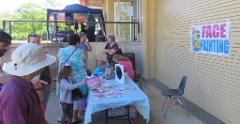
pixel 211 38
pixel 95 3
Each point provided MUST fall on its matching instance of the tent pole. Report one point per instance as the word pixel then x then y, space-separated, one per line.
pixel 47 25
pixel 119 19
pixel 55 23
pixel 4 25
pixel 10 28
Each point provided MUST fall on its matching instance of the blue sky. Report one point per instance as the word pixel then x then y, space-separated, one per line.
pixel 11 5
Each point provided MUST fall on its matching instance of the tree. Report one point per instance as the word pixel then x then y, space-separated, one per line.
pixel 5 15
pixel 28 11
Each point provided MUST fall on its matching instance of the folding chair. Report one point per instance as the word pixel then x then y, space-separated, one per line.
pixel 177 94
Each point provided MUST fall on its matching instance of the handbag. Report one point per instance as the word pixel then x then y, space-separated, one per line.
pixel 76 93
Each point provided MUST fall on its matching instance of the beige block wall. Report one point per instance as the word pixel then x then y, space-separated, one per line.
pixel 148 25
pixel 214 81
pixel 126 46
pixel 152 38
pixel 96 54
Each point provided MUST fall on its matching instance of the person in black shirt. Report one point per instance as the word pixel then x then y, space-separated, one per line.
pixel 45 76
pixel 83 28
pixel 111 49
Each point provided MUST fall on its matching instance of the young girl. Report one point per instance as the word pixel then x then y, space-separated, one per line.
pixel 100 69
pixel 66 94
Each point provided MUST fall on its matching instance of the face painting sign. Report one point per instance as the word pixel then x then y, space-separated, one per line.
pixel 211 38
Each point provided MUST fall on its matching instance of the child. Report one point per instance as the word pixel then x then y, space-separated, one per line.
pixel 66 94
pixel 100 69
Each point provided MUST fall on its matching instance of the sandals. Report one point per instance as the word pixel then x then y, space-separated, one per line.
pixel 60 121
pixel 76 122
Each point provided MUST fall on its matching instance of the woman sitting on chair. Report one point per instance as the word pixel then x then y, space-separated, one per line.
pixel 128 67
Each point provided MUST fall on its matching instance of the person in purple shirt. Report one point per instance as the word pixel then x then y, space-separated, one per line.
pixel 19 102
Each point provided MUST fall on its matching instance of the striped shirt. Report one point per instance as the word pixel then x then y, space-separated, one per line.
pixel 19 103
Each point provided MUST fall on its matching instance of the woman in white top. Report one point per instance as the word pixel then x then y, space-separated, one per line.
pixel 66 94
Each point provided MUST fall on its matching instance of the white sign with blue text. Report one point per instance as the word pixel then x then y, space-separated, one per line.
pixel 211 38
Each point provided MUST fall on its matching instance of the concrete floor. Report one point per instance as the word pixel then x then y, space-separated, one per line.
pixel 175 115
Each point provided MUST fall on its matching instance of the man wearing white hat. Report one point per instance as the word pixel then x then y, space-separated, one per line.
pixel 19 102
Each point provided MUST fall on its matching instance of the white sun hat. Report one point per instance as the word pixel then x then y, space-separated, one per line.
pixel 28 58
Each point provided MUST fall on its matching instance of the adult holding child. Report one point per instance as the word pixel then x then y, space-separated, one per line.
pixel 20 103
pixel 76 58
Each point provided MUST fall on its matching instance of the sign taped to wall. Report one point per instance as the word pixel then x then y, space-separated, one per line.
pixel 211 38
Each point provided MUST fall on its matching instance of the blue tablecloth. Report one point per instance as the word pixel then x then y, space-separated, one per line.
pixel 134 97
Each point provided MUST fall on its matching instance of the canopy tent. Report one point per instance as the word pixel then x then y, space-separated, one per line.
pixel 74 8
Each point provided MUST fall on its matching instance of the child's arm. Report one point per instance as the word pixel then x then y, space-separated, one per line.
pixel 96 71
pixel 67 85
